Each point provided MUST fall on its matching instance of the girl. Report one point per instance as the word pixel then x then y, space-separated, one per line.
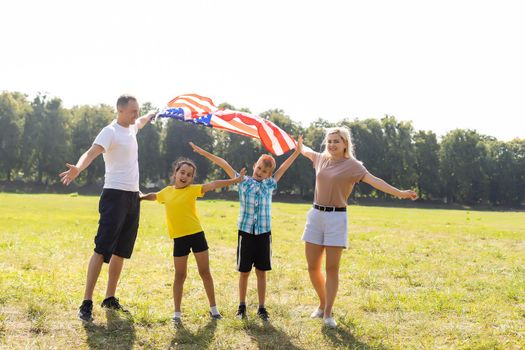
pixel 326 229
pixel 184 227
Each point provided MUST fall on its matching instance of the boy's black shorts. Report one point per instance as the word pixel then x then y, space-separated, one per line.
pixel 119 222
pixel 195 242
pixel 254 250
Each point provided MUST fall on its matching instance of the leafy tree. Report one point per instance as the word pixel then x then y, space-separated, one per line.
pixel 506 185
pixel 150 158
pixel 313 137
pixel 399 152
pixel 517 147
pixel 427 164
pixel 45 140
pixel 87 122
pixel 13 107
pixel 369 147
pixel 36 139
pixel 463 167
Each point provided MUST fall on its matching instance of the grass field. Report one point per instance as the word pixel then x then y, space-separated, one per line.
pixel 412 278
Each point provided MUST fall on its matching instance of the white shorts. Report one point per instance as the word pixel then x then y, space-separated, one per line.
pixel 327 228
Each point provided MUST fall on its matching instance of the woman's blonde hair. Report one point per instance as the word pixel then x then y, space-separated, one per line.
pixel 347 139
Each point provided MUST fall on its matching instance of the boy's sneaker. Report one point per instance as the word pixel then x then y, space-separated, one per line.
pixel 177 321
pixel 241 312
pixel 216 316
pixel 318 313
pixel 113 304
pixel 330 322
pixel 86 311
pixel 263 314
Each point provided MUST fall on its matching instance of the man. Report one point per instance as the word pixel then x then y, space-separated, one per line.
pixel 119 204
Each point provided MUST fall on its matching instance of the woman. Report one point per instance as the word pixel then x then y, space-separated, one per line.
pixel 326 229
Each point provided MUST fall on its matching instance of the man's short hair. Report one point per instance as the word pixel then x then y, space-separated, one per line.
pixel 124 99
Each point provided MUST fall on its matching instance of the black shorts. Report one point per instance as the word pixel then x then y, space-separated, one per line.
pixel 195 242
pixel 118 224
pixel 254 250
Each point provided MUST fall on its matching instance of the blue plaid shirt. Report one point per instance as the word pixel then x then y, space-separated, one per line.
pixel 255 199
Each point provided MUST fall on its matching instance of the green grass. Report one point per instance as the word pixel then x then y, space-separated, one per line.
pixel 412 278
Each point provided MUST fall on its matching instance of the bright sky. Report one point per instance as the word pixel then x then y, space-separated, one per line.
pixel 442 64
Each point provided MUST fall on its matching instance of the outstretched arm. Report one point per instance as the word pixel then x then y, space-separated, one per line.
pixel 148 196
pixel 286 164
pixel 308 152
pixel 223 183
pixel 72 173
pixel 381 185
pixel 145 119
pixel 217 160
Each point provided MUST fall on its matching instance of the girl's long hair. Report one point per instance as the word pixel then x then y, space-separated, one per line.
pixel 176 165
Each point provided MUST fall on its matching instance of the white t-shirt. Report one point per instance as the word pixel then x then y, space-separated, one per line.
pixel 120 156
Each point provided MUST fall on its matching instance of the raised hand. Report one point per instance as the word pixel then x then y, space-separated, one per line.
pixel 299 146
pixel 151 115
pixel 196 148
pixel 69 175
pixel 240 178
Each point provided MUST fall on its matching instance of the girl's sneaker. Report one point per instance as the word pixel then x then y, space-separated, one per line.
pixel 330 322
pixel 318 313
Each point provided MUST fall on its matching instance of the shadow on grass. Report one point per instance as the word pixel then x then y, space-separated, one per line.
pixel 343 337
pixel 269 337
pixel 202 339
pixel 119 333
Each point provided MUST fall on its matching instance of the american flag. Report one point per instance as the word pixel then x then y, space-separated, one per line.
pixel 201 111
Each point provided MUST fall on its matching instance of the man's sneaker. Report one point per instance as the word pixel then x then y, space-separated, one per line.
pixel 113 304
pixel 241 312
pixel 86 311
pixel 330 322
pixel 318 313
pixel 216 316
pixel 263 314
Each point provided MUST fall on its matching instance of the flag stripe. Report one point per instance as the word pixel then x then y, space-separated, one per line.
pixel 194 104
pixel 197 105
pixel 219 124
pixel 285 141
pixel 237 126
pixel 273 138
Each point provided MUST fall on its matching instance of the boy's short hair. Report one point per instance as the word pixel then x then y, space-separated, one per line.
pixel 268 161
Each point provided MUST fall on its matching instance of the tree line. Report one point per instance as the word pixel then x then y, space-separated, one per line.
pixel 38 136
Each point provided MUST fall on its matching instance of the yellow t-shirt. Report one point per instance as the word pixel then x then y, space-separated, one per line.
pixel 181 210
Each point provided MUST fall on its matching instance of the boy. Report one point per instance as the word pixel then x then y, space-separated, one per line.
pixel 254 223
